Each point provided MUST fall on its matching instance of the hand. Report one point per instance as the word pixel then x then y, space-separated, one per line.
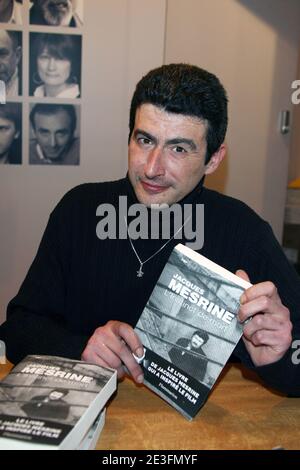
pixel 112 345
pixel 267 336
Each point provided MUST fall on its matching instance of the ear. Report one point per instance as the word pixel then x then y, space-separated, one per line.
pixel 215 160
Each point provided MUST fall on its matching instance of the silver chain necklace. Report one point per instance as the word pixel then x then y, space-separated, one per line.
pixel 140 272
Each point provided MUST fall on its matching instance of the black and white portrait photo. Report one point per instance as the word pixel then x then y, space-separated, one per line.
pixel 54 134
pixel 11 62
pixel 55 65
pixel 49 405
pixel 188 355
pixel 11 11
pixel 57 12
pixel 10 133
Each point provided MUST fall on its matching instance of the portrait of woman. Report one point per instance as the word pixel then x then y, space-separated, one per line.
pixel 55 65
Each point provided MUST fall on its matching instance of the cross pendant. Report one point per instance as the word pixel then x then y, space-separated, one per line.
pixel 140 273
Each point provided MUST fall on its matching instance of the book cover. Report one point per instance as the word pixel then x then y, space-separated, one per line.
pixel 189 328
pixel 49 402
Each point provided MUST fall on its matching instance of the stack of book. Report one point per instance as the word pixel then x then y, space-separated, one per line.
pixel 54 403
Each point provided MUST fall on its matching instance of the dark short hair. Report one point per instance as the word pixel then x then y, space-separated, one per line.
pixel 12 112
pixel 202 334
pixel 188 90
pixel 15 37
pixel 51 109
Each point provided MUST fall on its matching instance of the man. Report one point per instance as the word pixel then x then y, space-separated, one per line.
pixel 10 131
pixel 189 356
pixel 50 406
pixel 10 62
pixel 55 13
pixel 54 144
pixel 83 295
pixel 11 11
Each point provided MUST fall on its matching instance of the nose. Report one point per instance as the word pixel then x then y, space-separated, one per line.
pixel 51 64
pixel 155 164
pixel 52 141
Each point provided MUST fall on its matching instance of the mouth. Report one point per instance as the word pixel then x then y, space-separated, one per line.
pixel 52 153
pixel 153 188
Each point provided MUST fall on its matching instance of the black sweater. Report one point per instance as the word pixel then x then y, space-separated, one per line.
pixel 78 282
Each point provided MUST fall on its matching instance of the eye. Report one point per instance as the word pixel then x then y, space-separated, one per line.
pixel 44 57
pixel 179 149
pixel 144 141
pixel 62 133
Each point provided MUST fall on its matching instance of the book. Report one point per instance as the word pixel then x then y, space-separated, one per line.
pixel 49 402
pixel 189 328
pixel 91 438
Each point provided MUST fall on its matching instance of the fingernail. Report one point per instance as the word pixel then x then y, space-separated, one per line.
pixel 139 352
pixel 243 299
pixel 140 379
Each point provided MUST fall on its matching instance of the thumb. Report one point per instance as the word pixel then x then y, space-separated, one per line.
pixel 242 274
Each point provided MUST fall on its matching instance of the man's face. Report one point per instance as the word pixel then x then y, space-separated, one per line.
pixel 197 341
pixel 53 133
pixel 166 157
pixel 9 57
pixel 8 133
pixel 56 12
pixel 56 395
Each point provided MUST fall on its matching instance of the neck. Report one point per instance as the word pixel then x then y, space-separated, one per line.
pixel 54 91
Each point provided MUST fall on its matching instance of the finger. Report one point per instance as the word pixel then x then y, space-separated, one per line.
pixel 261 304
pixel 269 338
pixel 267 289
pixel 242 274
pixel 108 356
pixel 93 356
pixel 127 333
pixel 118 360
pixel 130 363
pixel 114 348
pixel 266 321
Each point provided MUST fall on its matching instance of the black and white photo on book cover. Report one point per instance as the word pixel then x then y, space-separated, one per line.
pixel 52 402
pixel 189 328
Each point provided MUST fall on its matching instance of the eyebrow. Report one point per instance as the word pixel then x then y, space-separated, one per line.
pixel 175 141
pixel 145 134
pixel 43 129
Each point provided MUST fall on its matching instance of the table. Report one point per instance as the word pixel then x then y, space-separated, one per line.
pixel 241 413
